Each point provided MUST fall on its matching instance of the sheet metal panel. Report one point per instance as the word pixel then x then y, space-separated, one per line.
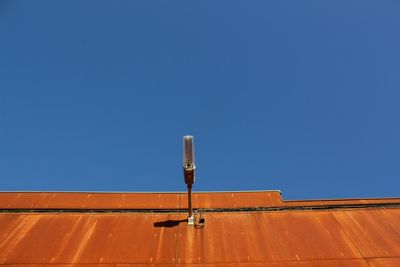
pixel 70 200
pixel 19 200
pixel 376 232
pixel 233 199
pixel 77 238
pixel 137 200
pixel 289 203
pixel 90 200
pixel 7 223
pixel 290 238
pixel 284 238
pixel 335 263
pixel 115 200
pixel 260 237
pixel 7 199
pixel 384 262
pixel 318 263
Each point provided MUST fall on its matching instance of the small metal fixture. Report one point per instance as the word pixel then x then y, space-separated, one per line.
pixel 188 172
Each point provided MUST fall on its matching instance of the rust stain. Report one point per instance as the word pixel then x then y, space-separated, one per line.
pixel 15 236
pixel 91 226
pixel 67 237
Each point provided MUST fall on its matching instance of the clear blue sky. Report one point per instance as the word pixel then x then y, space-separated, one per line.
pixel 301 96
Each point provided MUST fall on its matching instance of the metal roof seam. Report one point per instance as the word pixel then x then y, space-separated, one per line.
pixel 353 243
pixel 206 210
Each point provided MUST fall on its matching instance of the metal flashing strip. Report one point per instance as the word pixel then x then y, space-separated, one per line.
pixel 205 210
pixel 145 192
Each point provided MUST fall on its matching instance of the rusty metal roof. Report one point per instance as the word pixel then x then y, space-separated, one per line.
pixel 65 228
pixel 159 200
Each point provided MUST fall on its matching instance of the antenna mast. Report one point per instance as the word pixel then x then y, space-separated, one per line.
pixel 188 171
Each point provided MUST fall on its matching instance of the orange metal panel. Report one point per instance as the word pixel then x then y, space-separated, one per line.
pixel 305 203
pixel 328 263
pixel 376 232
pixel 70 200
pixel 234 199
pixel 384 262
pixel 7 199
pixel 131 239
pixel 285 238
pixel 95 238
pixel 260 237
pixel 335 263
pixel 167 239
pixel 289 203
pixel 19 200
pixel 111 200
pixel 7 225
pixel 90 200
pixel 154 200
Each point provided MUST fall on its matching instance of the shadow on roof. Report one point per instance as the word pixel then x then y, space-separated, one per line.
pixel 168 223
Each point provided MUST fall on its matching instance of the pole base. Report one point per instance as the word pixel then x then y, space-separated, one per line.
pixel 190 220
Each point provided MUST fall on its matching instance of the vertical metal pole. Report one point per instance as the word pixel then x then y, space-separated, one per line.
pixel 188 171
pixel 191 217
pixel 190 201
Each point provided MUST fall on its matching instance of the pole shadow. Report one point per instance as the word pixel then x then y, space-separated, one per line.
pixel 168 223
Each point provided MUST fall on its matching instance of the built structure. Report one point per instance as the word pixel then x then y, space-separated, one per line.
pixel 239 229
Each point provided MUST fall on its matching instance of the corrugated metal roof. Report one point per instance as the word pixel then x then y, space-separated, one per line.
pixel 328 237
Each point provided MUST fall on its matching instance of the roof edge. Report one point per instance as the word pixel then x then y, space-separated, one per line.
pixel 144 192
pixel 338 199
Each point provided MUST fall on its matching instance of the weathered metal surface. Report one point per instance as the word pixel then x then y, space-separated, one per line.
pixel 293 238
pixel 376 232
pixel 138 200
pixel 69 200
pixel 346 237
pixel 316 263
pixel 265 237
pixel 306 203
pixel 384 262
pixel 90 200
pixel 77 238
pixel 234 199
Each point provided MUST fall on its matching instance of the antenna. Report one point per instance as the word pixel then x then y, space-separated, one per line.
pixel 188 171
